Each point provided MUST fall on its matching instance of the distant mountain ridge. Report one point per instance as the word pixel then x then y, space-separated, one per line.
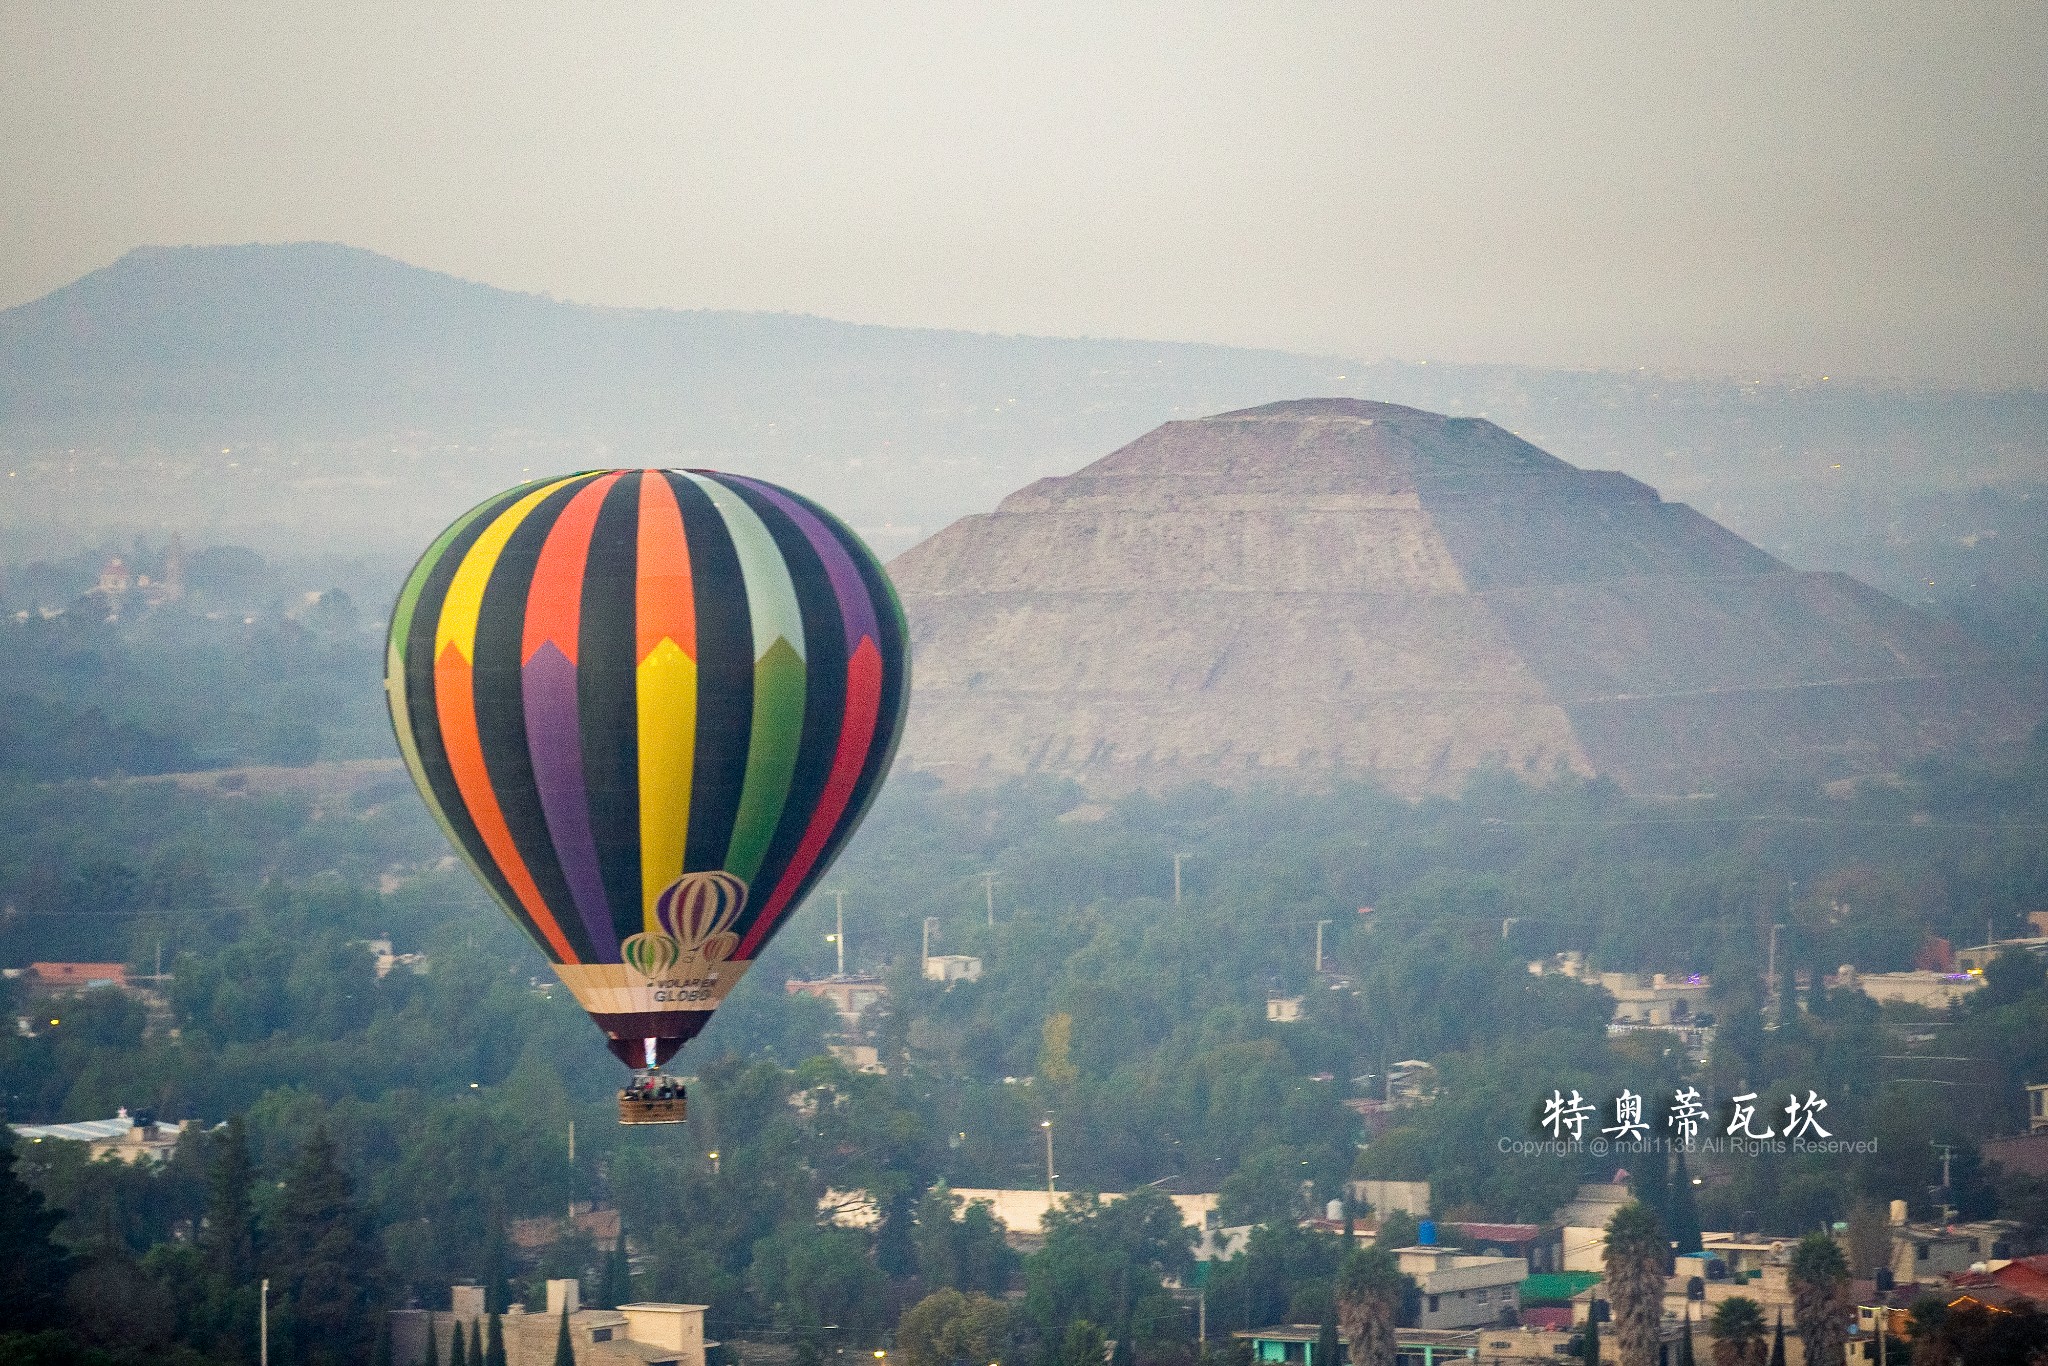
pixel 1333 586
pixel 316 395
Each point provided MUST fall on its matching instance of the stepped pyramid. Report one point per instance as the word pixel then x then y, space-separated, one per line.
pixel 1337 586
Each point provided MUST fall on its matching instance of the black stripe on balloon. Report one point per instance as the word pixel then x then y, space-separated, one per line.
pixel 725 679
pixel 894 647
pixel 825 654
pixel 607 705
pixel 501 712
pixel 425 720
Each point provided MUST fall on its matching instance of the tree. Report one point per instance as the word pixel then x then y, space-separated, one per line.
pixel 327 1263
pixel 565 1354
pixel 1685 1357
pixel 1083 1344
pixel 1637 1259
pixel 1684 1225
pixel 1589 1345
pixel 1326 1335
pixel 1778 1343
pixel 1820 1298
pixel 2014 1335
pixel 948 1326
pixel 1738 1330
pixel 229 1239
pixel 495 1354
pixel 496 1259
pixel 1369 1289
pixel 615 1284
pixel 385 1354
pixel 458 1352
pixel 963 1252
pixel 1106 1261
pixel 1397 1230
pixel 433 1357
pixel 476 1343
pixel 33 1269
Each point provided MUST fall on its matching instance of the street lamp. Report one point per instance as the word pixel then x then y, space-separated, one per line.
pixel 713 1155
pixel 1046 1124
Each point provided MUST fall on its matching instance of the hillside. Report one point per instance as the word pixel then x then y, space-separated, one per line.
pixel 1340 587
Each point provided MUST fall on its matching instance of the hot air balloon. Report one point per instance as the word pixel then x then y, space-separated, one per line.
pixel 648 707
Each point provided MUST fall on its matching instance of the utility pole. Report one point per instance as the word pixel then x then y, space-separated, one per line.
pixel 988 888
pixel 1319 942
pixel 839 926
pixel 1176 877
pixel 925 964
pixel 1046 1124
pixel 263 1325
pixel 1947 1151
pixel 1771 975
pixel 572 1168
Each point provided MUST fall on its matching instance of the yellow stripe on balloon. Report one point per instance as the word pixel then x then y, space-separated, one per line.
pixel 667 694
pixel 464 604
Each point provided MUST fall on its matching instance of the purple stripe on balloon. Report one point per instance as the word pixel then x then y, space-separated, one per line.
pixel 555 743
pixel 854 606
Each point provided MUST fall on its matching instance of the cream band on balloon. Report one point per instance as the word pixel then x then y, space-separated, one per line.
pixel 684 966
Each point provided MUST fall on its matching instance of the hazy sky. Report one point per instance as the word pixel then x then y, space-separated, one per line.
pixel 1854 189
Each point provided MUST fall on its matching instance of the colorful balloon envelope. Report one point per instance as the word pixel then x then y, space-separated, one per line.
pixel 648 707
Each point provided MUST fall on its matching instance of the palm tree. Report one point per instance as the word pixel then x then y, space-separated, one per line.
pixel 1369 1288
pixel 1637 1258
pixel 1820 1298
pixel 1738 1329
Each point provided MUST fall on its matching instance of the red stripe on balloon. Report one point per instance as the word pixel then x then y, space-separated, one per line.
pixel 455 704
pixel 554 600
pixel 863 707
pixel 665 599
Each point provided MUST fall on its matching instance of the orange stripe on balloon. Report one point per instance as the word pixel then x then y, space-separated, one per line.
pixel 665 600
pixel 554 601
pixel 863 707
pixel 455 701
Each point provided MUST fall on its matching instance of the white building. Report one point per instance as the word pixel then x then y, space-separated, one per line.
pixel 952 967
pixel 1460 1291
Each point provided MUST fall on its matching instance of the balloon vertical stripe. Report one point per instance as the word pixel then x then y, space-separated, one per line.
pixel 455 697
pixel 548 672
pixel 665 617
pixel 778 715
pixel 648 707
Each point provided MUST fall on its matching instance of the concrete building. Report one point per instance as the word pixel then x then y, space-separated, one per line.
pixel 1585 1220
pixel 1540 1246
pixel 1462 1290
pixel 1934 990
pixel 1977 957
pixel 631 1335
pixel 1392 1197
pixel 124 1138
pixel 1658 1000
pixel 1023 1211
pixel 850 995
pixel 952 967
pixel 1283 1009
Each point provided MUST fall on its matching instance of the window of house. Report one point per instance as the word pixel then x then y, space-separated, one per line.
pixel 600 1335
pixel 1432 1304
pixel 1482 1295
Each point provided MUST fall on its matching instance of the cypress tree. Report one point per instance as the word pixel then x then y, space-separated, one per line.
pixel 615 1282
pixel 433 1357
pixel 495 1260
pixel 326 1258
pixel 33 1270
pixel 1778 1342
pixel 1685 1210
pixel 384 1345
pixel 458 1355
pixel 230 1237
pixel 476 1343
pixel 565 1355
pixel 1685 1342
pixel 1589 1351
pixel 495 1354
pixel 1326 1340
